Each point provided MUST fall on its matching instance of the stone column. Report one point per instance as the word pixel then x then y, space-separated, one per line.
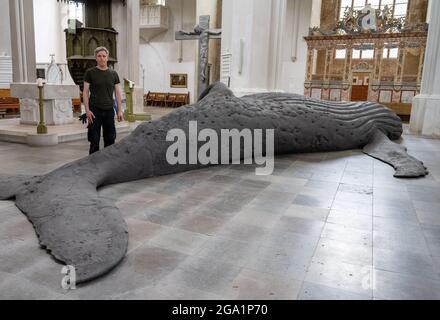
pixel 400 63
pixel 378 57
pixel 329 54
pixel 376 74
pixel 421 61
pixel 425 113
pixel 278 25
pixel 347 64
pixel 133 38
pixel 398 77
pixel 328 62
pixel 348 74
pixel 21 14
pixel 309 71
pixel 310 63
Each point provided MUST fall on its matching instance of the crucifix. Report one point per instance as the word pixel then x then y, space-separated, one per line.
pixel 203 34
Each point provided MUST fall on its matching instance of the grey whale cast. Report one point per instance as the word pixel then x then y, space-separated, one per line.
pixel 79 228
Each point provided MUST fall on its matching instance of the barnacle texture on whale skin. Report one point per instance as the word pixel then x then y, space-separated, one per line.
pixel 88 232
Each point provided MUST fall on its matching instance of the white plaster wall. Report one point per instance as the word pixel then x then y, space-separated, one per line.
pixel 255 21
pixel 5 30
pixel 5 47
pixel 160 56
pixel 207 7
pixel 294 73
pixel 50 19
pixel 428 13
pixel 315 20
pixel 247 20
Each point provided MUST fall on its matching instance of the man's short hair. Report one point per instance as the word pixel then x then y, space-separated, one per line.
pixel 99 49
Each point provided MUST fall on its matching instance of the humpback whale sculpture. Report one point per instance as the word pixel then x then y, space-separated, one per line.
pixel 81 229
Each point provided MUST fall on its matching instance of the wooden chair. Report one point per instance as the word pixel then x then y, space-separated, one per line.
pixel 150 98
pixel 76 105
pixel 170 100
pixel 159 99
pixel 8 104
pixel 182 99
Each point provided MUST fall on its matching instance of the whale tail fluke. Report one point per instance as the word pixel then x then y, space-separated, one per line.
pixel 11 185
pixel 75 225
pixel 406 166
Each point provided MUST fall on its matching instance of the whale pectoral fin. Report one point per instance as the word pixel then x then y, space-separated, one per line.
pixel 76 226
pixel 406 166
pixel 11 185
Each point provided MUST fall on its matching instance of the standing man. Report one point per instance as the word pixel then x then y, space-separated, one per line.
pixel 99 84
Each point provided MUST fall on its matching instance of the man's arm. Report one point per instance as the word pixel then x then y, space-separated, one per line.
pixel 86 96
pixel 118 94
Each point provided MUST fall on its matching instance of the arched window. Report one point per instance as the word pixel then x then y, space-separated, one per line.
pixel 398 8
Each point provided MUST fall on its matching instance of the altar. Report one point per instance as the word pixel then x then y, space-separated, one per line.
pixel 57 102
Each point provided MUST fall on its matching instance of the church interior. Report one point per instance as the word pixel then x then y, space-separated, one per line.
pixel 324 225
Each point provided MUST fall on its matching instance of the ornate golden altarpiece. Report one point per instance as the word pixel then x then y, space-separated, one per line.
pixel 391 81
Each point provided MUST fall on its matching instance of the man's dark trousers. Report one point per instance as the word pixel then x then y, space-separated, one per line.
pixel 106 119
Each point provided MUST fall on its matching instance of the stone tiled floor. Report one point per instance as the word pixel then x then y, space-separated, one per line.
pixel 323 226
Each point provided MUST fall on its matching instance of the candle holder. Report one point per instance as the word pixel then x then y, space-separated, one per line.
pixel 128 88
pixel 41 128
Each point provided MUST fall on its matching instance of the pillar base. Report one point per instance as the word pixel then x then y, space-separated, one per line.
pixel 425 115
pixel 137 117
pixel 42 140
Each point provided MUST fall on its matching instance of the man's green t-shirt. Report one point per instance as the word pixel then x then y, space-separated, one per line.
pixel 102 85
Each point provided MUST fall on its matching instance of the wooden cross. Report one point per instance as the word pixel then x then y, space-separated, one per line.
pixel 202 33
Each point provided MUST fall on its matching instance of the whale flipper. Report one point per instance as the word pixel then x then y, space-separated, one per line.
pixel 381 148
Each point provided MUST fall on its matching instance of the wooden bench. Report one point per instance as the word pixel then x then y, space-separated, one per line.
pixel 182 99
pixel 76 105
pixel 8 104
pixel 171 100
pixel 159 99
pixel 166 99
pixel 403 110
pixel 148 98
pixel 155 98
